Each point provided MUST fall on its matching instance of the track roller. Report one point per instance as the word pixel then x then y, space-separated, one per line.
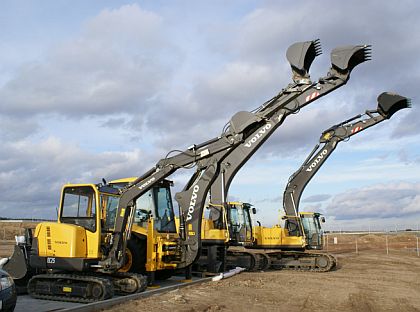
pixel 128 283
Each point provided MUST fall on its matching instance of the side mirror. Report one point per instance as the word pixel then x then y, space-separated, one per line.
pixel 323 219
pixel 253 210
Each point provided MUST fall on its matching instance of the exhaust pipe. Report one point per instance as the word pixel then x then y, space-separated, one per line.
pixel 301 55
pixel 344 59
pixel 390 103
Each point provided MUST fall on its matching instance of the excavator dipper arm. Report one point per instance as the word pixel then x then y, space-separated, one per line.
pixel 388 104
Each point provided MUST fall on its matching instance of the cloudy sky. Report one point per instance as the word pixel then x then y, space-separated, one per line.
pixel 104 89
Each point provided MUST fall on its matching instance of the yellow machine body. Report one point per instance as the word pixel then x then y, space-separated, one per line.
pixel 209 232
pixel 238 220
pixel 63 240
pixel 161 248
pixel 276 237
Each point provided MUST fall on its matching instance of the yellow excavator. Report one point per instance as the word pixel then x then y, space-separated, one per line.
pixel 79 238
pixel 80 257
pixel 273 247
pixel 302 230
pixel 244 233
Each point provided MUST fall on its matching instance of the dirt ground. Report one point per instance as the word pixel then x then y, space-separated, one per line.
pixel 369 281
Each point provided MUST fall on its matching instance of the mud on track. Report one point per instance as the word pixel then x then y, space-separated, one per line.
pixel 369 281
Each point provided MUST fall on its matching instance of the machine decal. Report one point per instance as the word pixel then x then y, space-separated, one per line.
pixel 147 183
pixel 317 160
pixel 256 137
pixel 356 129
pixel 312 96
pixel 193 201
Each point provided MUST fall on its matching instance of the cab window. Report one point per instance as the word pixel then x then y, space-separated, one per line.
pixel 110 205
pixel 79 207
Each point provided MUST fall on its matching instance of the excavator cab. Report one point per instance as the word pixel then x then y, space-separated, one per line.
pixel 311 225
pixel 78 206
pixel 156 203
pixel 240 225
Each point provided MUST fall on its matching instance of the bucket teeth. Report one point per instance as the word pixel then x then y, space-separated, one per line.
pixel 301 55
pixel 408 103
pixel 390 103
pixel 344 59
pixel 367 53
pixel 317 47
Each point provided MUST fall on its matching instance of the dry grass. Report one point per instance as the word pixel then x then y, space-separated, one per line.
pixel 8 231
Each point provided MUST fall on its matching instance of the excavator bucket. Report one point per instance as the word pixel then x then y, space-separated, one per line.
pixel 16 266
pixel 390 103
pixel 344 59
pixel 301 55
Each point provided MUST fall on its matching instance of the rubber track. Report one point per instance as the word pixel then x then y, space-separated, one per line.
pixel 104 282
pixel 300 255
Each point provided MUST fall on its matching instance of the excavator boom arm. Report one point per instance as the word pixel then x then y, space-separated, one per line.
pixel 388 104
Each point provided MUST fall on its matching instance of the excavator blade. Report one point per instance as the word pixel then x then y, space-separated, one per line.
pixel 344 59
pixel 301 55
pixel 390 103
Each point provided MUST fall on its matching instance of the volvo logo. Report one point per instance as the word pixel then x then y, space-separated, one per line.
pixel 317 160
pixel 259 134
pixel 193 202
pixel 147 183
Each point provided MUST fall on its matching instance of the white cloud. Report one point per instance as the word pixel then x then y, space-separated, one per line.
pixel 377 201
pixel 32 174
pixel 113 66
pixel 316 198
